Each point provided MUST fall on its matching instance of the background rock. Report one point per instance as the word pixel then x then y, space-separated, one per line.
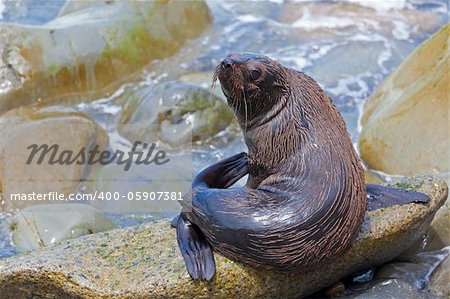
pixel 405 124
pixel 189 106
pixel 372 177
pixel 174 177
pixel 441 222
pixel 416 269
pixel 43 225
pixel 144 261
pixel 383 289
pixel 323 19
pixel 20 128
pixel 92 50
pixel 440 280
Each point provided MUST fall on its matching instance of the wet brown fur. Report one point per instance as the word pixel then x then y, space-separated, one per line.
pixel 304 200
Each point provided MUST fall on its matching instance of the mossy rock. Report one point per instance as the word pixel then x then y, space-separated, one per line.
pixel 92 48
pixel 151 111
pixel 144 261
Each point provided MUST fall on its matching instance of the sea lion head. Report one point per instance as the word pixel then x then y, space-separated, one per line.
pixel 253 84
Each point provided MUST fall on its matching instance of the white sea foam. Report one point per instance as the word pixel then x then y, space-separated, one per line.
pixel 273 1
pixel 384 56
pixel 292 56
pixel 378 5
pixel 359 95
pixel 368 38
pixel 249 18
pixel 310 22
pixel 322 50
pixel 343 86
pixel 298 62
pixel 382 5
pixel 231 28
pixel 401 30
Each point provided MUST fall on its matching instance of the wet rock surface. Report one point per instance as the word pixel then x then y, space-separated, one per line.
pixel 202 113
pixel 144 261
pixel 91 48
pixel 382 289
pixel 440 279
pixel 44 225
pixel 415 269
pixel 138 187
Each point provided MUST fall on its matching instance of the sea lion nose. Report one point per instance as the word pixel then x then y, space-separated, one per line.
pixel 227 63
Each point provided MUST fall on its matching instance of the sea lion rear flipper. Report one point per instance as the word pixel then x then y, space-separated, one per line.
pixel 381 197
pixel 196 251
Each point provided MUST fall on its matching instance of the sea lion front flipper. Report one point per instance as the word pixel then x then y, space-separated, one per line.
pixel 174 221
pixel 224 173
pixel 381 197
pixel 196 251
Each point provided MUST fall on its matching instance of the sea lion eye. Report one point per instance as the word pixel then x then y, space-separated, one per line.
pixel 255 74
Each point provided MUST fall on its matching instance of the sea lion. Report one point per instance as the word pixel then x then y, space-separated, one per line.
pixel 305 197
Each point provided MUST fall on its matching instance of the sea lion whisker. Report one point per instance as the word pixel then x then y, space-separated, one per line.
pixel 215 78
pixel 245 106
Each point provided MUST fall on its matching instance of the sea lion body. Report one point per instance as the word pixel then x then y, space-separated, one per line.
pixel 305 198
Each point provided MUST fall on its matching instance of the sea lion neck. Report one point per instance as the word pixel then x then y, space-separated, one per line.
pixel 262 118
pixel 267 146
pixel 292 126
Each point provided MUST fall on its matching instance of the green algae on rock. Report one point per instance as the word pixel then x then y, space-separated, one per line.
pixel 88 52
pixel 54 125
pixel 144 261
pixel 186 105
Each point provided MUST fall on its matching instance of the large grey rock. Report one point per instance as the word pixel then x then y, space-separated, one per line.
pixel 68 129
pixel 44 225
pixel 144 261
pixel 91 48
